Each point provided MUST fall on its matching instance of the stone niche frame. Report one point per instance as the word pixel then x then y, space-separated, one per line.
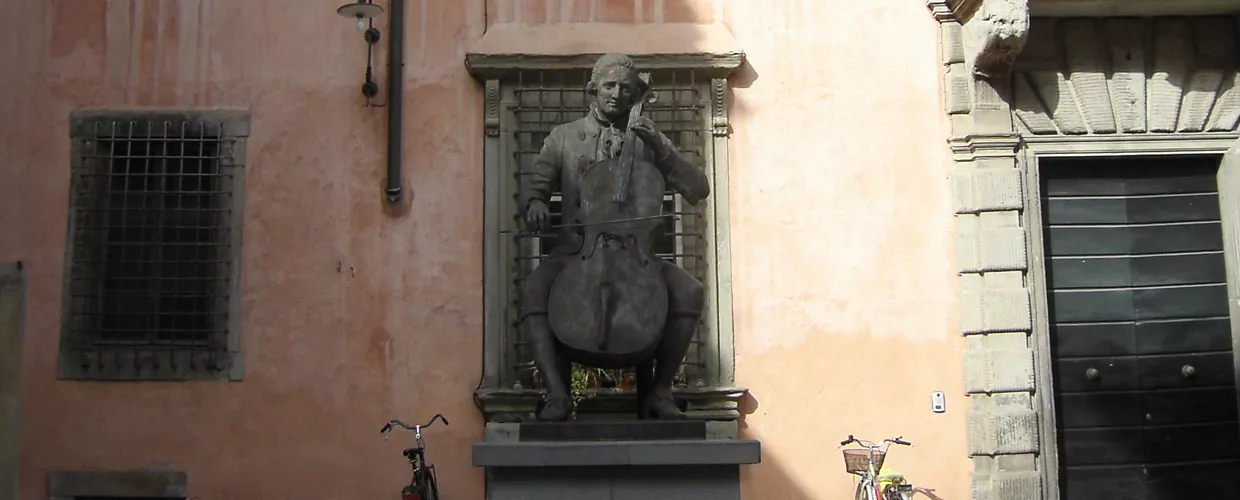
pixel 1011 420
pixel 716 397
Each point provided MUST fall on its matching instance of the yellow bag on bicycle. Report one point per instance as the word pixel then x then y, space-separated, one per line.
pixel 887 475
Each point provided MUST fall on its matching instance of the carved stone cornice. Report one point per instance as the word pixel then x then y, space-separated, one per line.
pixel 501 66
pixel 953 10
pixel 979 146
pixel 941 10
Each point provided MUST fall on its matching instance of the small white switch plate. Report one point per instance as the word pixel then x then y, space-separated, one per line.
pixel 938 402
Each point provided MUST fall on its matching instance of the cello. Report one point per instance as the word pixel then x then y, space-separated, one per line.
pixel 609 303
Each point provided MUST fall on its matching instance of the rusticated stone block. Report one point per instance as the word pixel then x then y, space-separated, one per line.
pixel 1006 309
pixel 1001 245
pixel 998 370
pixel 994 302
pixel 986 189
pixel 962 188
pixel 1002 424
pixel 1007 486
pixel 968 240
pixel 953 43
pixel 1010 370
pixel 956 90
pixel 996 189
pixel 971 292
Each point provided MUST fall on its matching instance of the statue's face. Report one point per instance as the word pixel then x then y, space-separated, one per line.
pixel 616 90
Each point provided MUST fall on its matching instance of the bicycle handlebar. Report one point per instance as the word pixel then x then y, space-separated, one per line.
pixel 896 440
pixel 398 423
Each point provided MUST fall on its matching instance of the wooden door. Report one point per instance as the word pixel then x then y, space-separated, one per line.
pixel 1140 332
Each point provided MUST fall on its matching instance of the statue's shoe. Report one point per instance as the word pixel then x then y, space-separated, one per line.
pixel 555 410
pixel 662 409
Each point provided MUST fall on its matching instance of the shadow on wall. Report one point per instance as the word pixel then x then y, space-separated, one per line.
pixel 771 480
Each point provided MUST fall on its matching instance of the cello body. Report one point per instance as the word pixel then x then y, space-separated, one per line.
pixel 609 303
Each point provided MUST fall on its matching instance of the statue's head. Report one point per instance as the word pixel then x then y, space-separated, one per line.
pixel 615 85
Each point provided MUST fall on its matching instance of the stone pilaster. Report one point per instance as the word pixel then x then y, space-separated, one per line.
pixel 980 40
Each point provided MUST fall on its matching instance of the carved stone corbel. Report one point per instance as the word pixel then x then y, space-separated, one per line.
pixel 994 30
pixel 719 95
pixel 491 117
pixel 999 29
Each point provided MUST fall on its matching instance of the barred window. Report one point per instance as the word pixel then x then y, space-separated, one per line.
pixel 542 100
pixel 154 244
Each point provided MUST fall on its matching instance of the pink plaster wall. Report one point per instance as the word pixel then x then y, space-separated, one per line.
pixel 329 356
pixel 843 244
pixel 841 235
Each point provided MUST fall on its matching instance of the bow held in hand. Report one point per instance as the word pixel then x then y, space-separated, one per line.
pixel 537 215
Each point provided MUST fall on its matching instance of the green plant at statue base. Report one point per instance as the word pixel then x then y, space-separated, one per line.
pixel 579 385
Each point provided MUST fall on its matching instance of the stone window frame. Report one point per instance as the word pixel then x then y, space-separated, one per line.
pixel 142 483
pixel 717 398
pixel 1010 422
pixel 226 364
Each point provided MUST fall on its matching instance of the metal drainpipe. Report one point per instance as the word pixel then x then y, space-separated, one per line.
pixel 396 73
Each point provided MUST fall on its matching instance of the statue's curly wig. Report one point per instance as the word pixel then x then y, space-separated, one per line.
pixel 607 62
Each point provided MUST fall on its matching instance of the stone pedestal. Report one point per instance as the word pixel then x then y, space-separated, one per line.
pixel 589 460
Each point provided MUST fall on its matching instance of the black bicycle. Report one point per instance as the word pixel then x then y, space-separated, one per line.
pixel 423 485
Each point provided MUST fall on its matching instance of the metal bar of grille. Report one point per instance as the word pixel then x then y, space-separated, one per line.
pixel 542 102
pixel 151 241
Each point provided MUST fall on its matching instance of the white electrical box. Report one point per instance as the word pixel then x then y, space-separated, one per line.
pixel 938 402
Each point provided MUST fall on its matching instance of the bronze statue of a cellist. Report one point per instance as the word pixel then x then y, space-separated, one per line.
pixel 602 299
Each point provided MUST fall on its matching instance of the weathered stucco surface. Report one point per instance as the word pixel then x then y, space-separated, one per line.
pixel 329 355
pixel 845 295
pixel 843 261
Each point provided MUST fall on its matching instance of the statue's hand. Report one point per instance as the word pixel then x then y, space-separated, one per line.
pixel 537 215
pixel 644 128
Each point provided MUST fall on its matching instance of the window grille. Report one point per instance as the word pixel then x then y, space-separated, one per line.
pixel 541 100
pixel 153 249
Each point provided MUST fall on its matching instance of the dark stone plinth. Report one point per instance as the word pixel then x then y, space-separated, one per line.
pixel 597 460
pixel 612 430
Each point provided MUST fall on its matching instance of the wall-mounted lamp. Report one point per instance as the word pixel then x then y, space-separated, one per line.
pixel 365 12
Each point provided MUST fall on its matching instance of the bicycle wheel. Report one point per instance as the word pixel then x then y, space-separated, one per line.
pixel 432 486
pixel 865 491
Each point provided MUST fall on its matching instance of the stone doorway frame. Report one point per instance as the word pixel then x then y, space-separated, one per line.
pixel 1223 146
pixel 1011 427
